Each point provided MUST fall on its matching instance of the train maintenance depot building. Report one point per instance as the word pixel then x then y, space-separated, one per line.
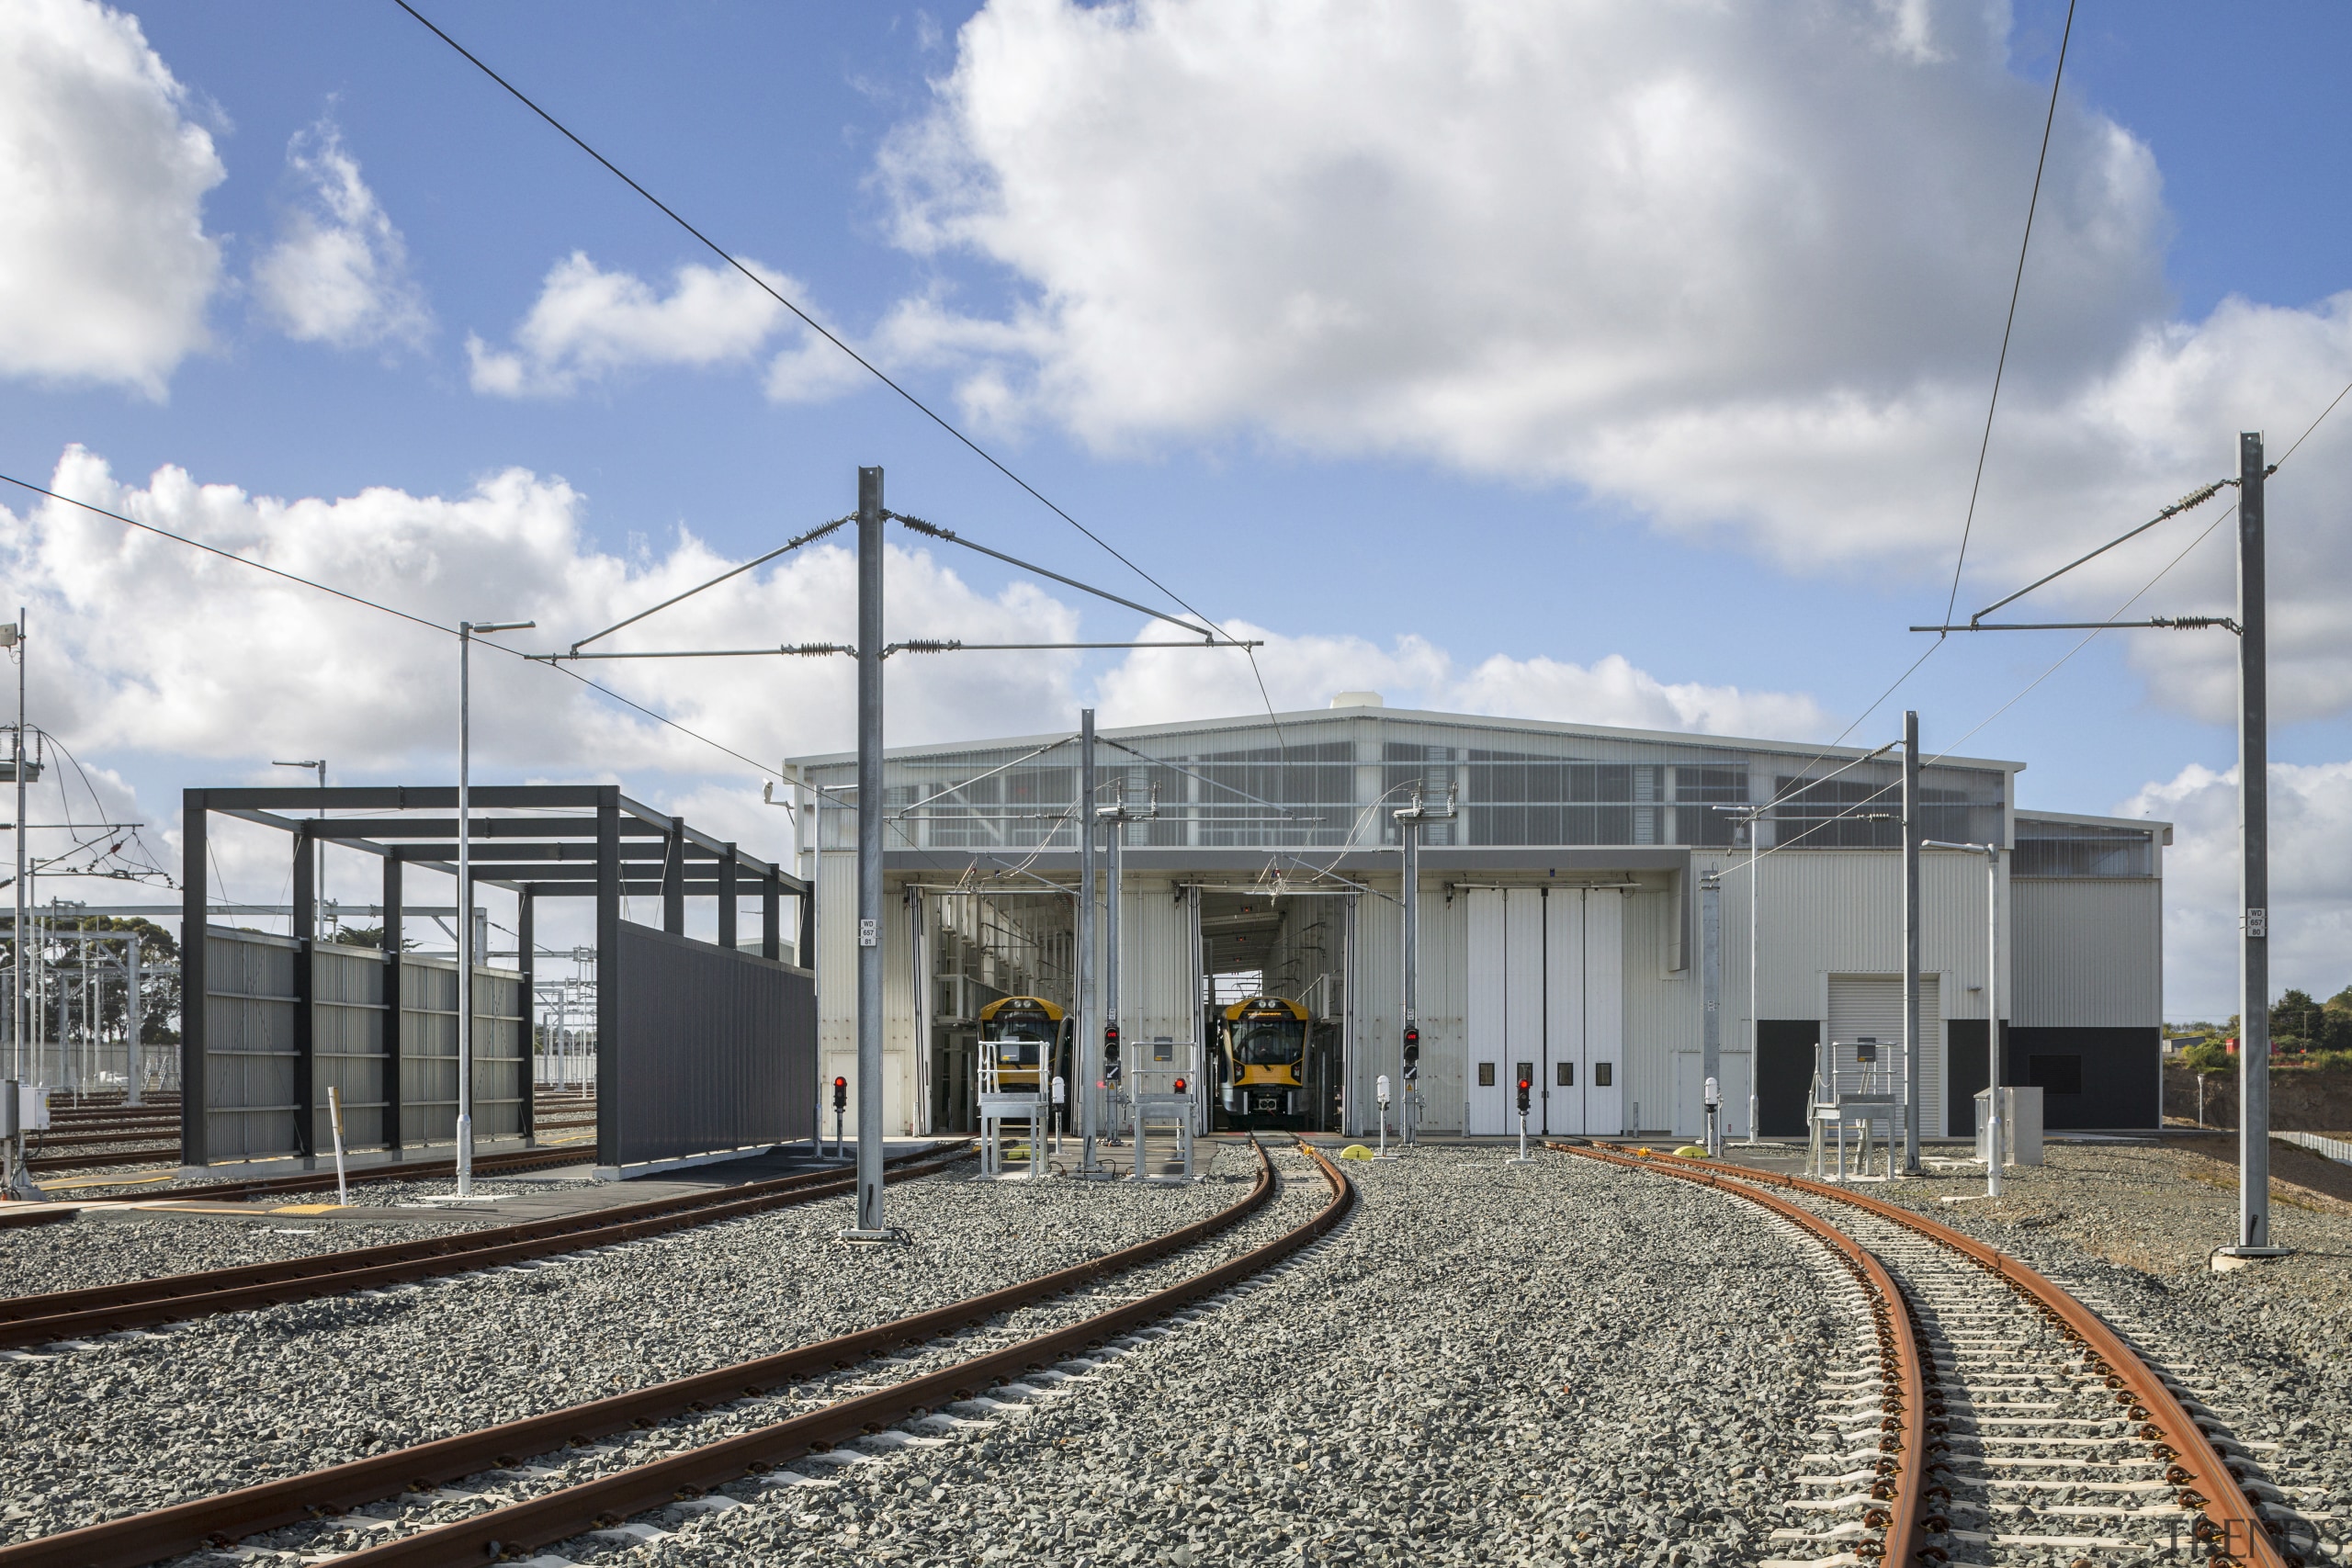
pixel 1558 915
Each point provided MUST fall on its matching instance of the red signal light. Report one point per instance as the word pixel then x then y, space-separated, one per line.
pixel 1180 1086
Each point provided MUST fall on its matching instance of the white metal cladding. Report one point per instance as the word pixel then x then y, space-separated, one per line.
pixel 1834 912
pixel 1160 949
pixel 1661 1007
pixel 902 1079
pixel 1523 986
pixel 1486 1009
pixel 1546 993
pixel 2088 953
pixel 837 995
pixel 1376 990
pixel 1871 1006
pixel 1443 1000
pixel 1575 988
pixel 1603 919
pixel 837 978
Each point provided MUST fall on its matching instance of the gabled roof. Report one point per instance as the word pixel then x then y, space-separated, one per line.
pixel 1262 721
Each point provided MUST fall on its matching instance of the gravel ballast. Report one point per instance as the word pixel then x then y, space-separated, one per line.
pixel 1487 1364
pixel 2129 1228
pixel 233 1399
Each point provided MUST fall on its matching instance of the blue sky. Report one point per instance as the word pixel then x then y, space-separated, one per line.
pixel 1394 486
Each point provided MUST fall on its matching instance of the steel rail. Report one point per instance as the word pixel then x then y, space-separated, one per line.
pixel 505 1162
pixel 561 1515
pixel 103 1309
pixel 2229 1527
pixel 1912 1425
pixel 219 1520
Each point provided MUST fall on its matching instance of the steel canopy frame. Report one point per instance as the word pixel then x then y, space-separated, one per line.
pixel 593 841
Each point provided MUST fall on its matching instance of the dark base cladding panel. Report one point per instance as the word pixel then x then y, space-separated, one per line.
pixel 1785 1048
pixel 717 1050
pixel 2091 1079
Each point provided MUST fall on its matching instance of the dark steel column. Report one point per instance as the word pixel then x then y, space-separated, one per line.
pixel 609 977
pixel 530 1010
pixel 727 894
pixel 2253 872
pixel 805 943
pixel 195 1088
pixel 392 983
pixel 305 929
pixel 674 878
pixel 771 913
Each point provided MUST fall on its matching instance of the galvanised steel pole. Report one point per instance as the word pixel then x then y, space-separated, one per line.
pixel 870 1223
pixel 465 922
pixel 1091 1085
pixel 1993 1014
pixel 1911 835
pixel 2254 828
pixel 1408 1072
pixel 1710 992
pixel 17 932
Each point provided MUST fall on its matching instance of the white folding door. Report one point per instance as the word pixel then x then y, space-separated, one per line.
pixel 1545 1001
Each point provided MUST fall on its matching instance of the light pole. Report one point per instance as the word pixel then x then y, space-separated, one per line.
pixel 466 632
pixel 1992 853
pixel 319 765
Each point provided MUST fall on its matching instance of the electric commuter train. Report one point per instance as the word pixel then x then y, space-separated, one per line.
pixel 1264 1058
pixel 1019 1034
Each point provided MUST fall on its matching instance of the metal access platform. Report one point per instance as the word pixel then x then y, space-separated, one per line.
pixel 1856 1084
pixel 1011 1094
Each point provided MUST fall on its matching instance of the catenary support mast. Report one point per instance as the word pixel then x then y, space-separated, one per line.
pixel 2254 824
pixel 870 812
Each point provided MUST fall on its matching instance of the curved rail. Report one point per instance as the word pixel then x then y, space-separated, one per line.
pixel 1912 1425
pixel 106 1309
pixel 2229 1528
pixel 218 1521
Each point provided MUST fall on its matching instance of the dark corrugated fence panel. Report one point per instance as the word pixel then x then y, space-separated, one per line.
pixel 717 1049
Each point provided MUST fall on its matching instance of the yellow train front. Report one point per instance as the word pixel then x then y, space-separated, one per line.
pixel 1020 1038
pixel 1264 1057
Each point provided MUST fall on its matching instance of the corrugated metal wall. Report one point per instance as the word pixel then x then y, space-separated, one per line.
pixel 248 1044
pixel 348 1043
pixel 1661 1005
pixel 429 1051
pixel 1375 986
pixel 716 1050
pixel 1159 984
pixel 2089 952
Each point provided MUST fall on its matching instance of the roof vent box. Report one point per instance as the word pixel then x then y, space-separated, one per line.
pixel 1358 700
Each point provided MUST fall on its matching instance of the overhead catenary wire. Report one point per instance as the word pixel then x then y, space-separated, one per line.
pixel 2009 326
pixel 401 615
pixel 818 327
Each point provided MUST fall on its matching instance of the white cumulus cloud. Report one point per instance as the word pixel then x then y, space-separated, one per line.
pixel 588 324
pixel 338 273
pixel 1163 685
pixel 105 267
pixel 1740 265
pixel 2311 905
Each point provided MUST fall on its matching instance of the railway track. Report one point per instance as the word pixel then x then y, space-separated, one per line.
pixel 739 1425
pixel 505 1162
pixel 75 1316
pixel 2045 1433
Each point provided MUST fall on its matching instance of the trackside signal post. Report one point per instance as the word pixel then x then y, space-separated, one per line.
pixel 1409 832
